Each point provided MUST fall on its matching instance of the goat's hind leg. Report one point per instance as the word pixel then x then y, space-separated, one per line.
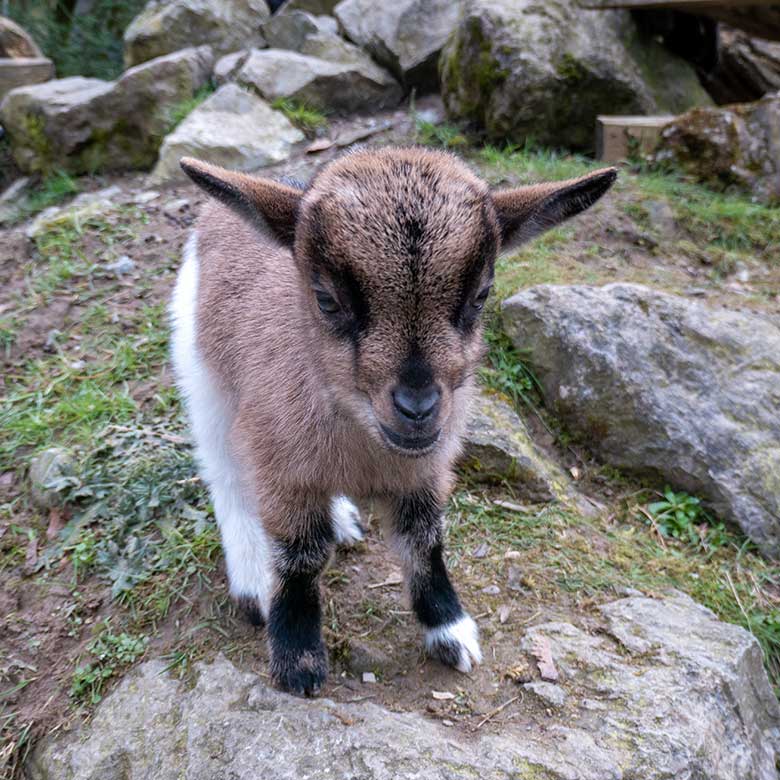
pixel 247 551
pixel 245 542
pixel 246 545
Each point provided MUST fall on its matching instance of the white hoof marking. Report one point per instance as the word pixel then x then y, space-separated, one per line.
pixel 461 638
pixel 347 527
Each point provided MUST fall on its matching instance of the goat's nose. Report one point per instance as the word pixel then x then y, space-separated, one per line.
pixel 416 404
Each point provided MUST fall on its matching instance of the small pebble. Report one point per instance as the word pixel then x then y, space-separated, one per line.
pixel 122 265
pixel 146 197
pixel 369 677
pixel 51 340
pixel 442 695
pixel 174 207
pixel 492 590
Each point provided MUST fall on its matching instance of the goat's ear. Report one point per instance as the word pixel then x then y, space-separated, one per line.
pixel 525 212
pixel 261 201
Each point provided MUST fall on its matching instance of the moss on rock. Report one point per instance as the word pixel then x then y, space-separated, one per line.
pixel 512 68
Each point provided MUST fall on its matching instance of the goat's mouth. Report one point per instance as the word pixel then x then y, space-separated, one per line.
pixel 411 446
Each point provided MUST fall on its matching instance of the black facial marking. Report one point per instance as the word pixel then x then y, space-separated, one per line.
pixel 298 658
pixel 418 523
pixel 416 371
pixel 411 228
pixel 354 318
pixel 351 294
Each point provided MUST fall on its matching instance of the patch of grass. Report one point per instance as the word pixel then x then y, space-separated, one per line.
pixel 182 110
pixel 505 371
pixel 530 163
pixel 563 555
pixel 443 135
pixel 138 511
pixel 682 516
pixel 728 222
pixel 538 262
pixel 305 118
pixel 72 394
pixel 62 256
pixel 110 653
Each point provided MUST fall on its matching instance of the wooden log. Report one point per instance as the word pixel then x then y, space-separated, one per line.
pixel 692 6
pixel 618 136
pixel 760 18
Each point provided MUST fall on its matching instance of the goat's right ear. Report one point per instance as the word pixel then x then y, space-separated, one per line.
pixel 261 201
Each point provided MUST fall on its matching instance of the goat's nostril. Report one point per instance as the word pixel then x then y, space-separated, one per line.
pixel 416 404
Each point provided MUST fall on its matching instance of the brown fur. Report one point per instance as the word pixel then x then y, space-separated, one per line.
pixel 411 226
pixel 342 325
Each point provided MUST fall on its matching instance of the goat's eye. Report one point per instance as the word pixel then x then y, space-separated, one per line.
pixel 479 301
pixel 326 302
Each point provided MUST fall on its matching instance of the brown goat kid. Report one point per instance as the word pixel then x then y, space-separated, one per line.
pixel 325 340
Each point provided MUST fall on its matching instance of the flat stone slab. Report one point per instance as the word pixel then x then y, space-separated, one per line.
pixel 663 385
pixel 690 701
pixel 498 448
pixel 233 128
pixel 327 86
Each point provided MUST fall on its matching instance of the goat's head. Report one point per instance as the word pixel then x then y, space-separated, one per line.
pixel 396 250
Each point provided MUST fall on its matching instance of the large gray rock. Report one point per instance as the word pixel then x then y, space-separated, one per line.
pixel 47 469
pixel 735 147
pixel 498 448
pixel 23 71
pixel 405 36
pixel 327 86
pixel 513 67
pixel 165 26
pixel 290 29
pixel 316 36
pixel 694 703
pixel 663 385
pixel 81 125
pixel 233 128
pixel 747 68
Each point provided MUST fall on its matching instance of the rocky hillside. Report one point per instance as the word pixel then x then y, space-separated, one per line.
pixel 616 527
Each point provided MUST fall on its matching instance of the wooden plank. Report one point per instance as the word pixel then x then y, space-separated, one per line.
pixel 617 136
pixel 682 5
pixel 760 18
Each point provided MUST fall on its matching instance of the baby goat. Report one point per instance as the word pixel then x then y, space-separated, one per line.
pixel 325 341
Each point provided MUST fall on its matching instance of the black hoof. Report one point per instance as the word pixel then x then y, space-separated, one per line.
pixel 303 674
pixel 251 611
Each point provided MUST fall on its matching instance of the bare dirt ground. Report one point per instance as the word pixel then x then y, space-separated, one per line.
pixel 66 328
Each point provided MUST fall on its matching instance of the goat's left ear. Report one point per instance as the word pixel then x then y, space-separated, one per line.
pixel 525 212
pixel 263 202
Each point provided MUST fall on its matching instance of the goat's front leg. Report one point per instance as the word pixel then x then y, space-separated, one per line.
pixel 303 542
pixel 450 633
